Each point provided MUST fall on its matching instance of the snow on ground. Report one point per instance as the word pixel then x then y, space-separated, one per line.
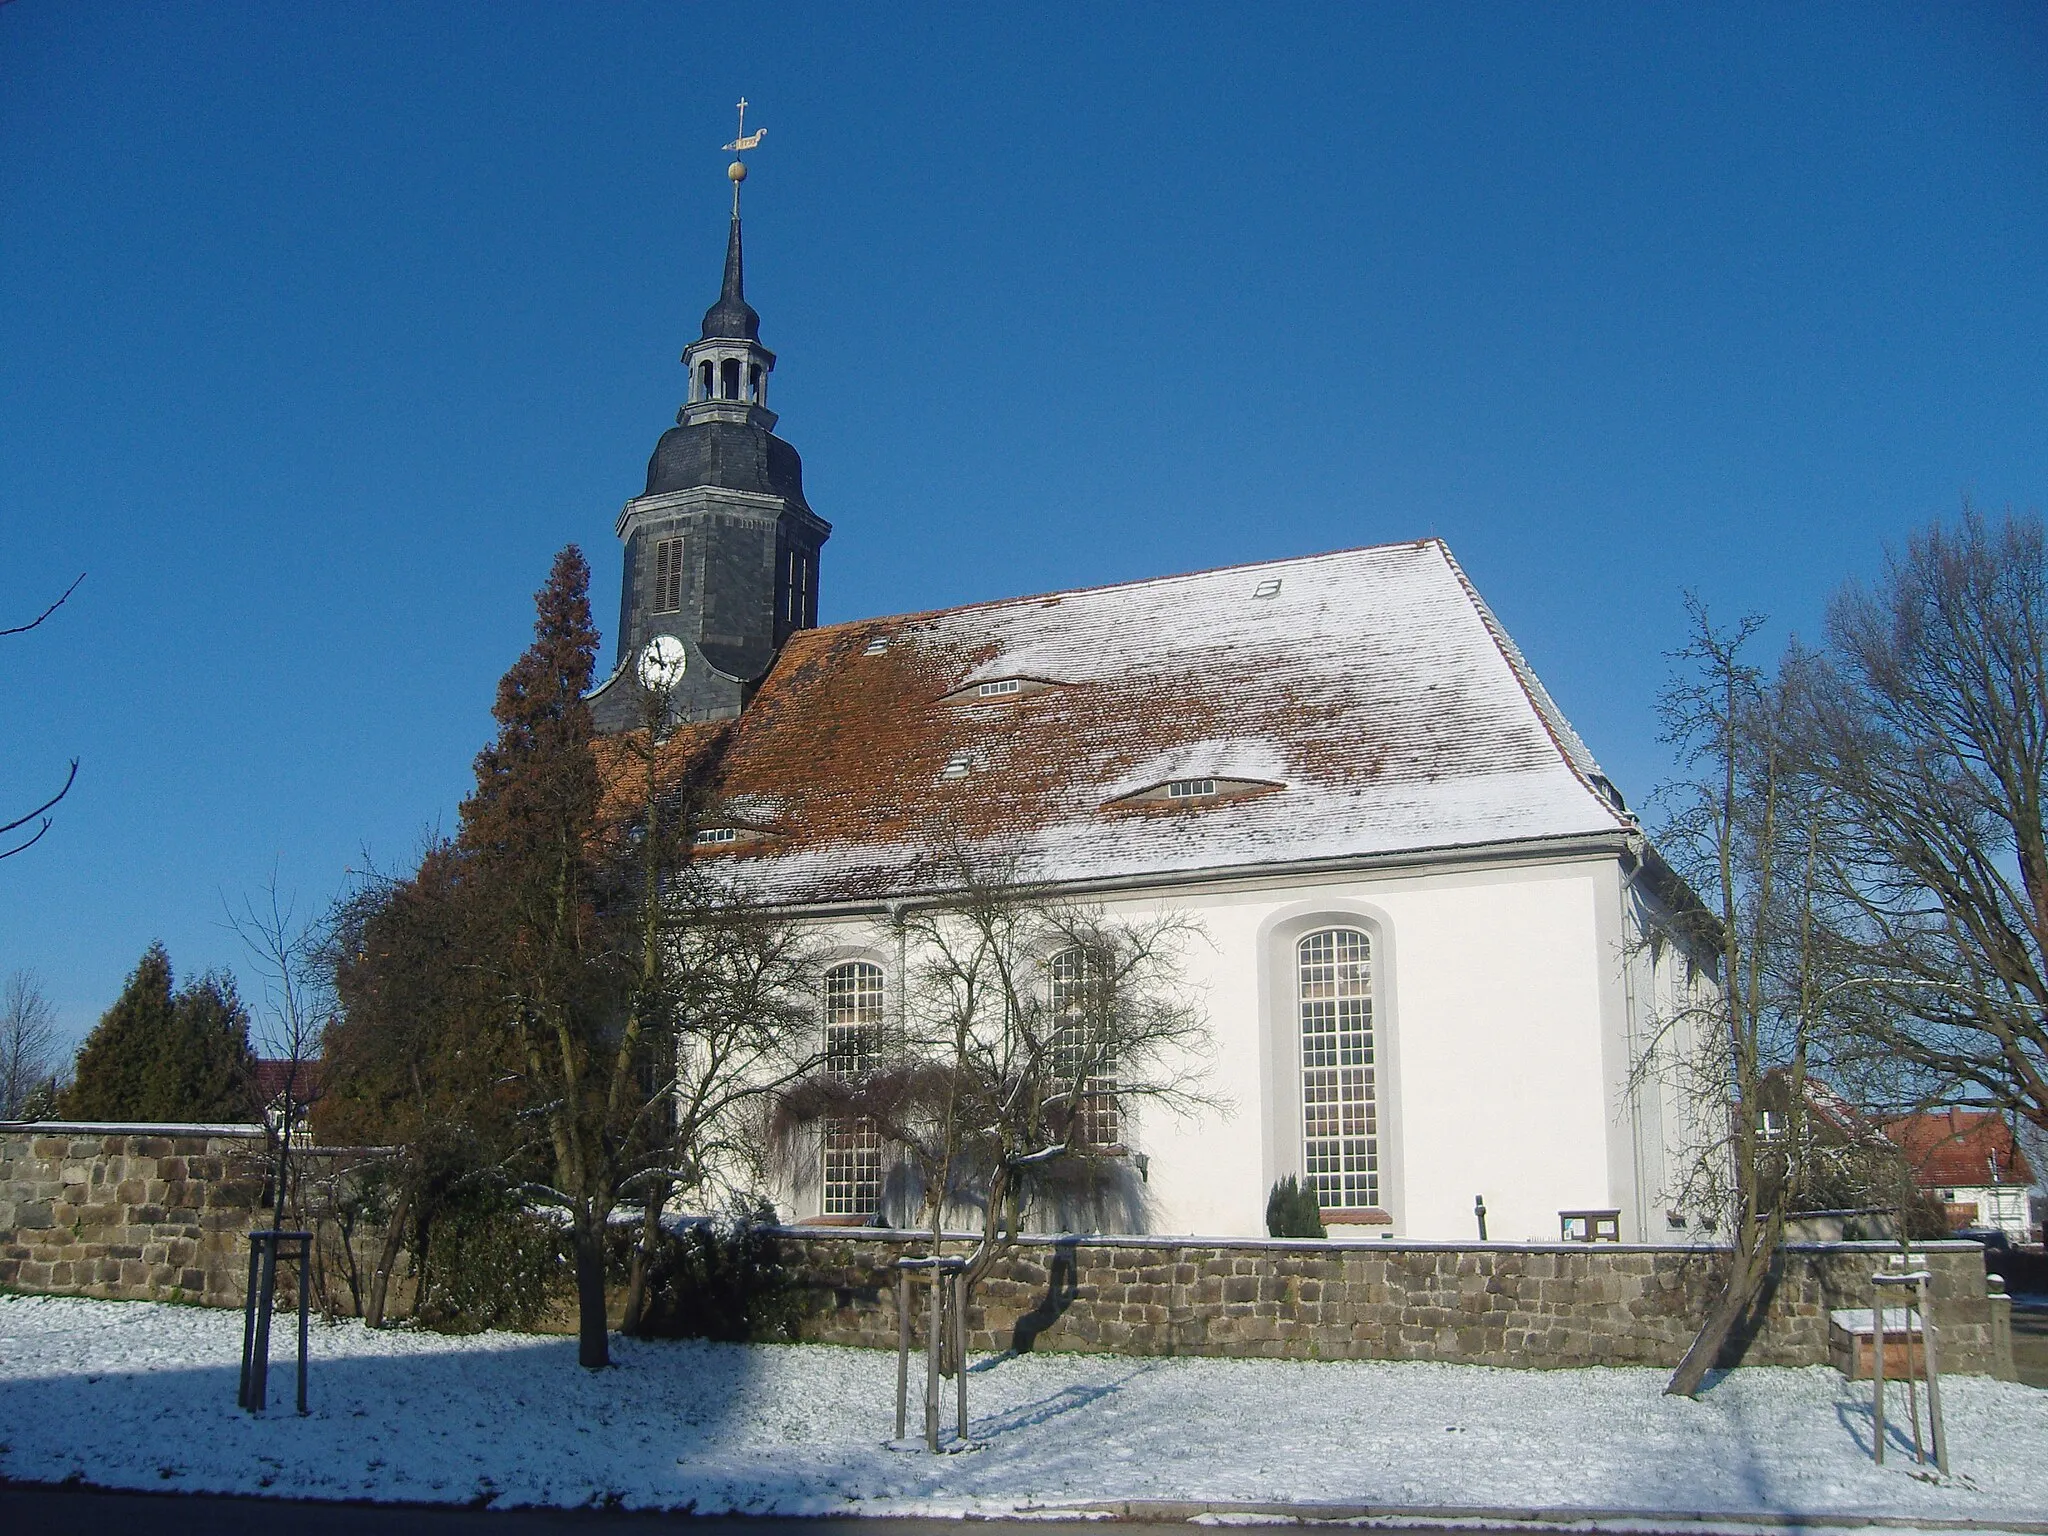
pixel 135 1395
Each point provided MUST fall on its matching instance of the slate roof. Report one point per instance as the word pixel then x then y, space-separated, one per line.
pixel 1957 1146
pixel 1371 704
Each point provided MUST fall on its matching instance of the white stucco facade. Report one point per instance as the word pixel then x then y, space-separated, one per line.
pixel 1505 1021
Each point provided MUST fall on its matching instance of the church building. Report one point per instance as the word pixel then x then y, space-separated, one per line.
pixel 1437 942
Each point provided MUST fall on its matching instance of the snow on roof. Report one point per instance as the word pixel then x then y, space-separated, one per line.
pixel 1373 686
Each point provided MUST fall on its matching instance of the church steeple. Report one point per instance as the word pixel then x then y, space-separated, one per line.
pixel 721 549
pixel 728 366
pixel 732 318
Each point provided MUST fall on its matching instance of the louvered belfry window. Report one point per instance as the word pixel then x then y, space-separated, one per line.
pixel 668 575
pixel 853 1048
pixel 1339 1097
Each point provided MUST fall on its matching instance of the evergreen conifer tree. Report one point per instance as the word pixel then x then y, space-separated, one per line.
pixel 160 1056
pixel 115 1062
pixel 530 836
pixel 205 1070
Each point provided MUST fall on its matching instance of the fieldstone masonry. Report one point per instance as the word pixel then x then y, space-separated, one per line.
pixel 160 1212
pixel 1497 1304
pixel 135 1212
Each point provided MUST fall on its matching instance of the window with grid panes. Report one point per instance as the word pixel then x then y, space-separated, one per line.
pixel 852 1172
pixel 1339 1089
pixel 668 575
pixel 1072 1055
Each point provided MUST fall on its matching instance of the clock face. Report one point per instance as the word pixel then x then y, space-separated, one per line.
pixel 662 662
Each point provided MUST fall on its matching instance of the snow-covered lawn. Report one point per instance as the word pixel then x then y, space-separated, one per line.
pixel 131 1395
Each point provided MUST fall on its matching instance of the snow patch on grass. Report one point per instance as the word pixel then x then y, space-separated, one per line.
pixel 135 1395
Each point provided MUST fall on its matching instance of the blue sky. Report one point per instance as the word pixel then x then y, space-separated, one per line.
pixel 323 327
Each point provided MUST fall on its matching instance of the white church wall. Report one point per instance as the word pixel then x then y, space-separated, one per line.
pixel 1499 1002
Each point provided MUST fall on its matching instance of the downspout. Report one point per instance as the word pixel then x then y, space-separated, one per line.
pixel 1632 869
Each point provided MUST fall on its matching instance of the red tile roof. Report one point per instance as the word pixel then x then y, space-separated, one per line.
pixel 272 1075
pixel 1364 702
pixel 1957 1146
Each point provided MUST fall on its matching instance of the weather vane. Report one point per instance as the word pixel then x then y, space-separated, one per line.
pixel 741 142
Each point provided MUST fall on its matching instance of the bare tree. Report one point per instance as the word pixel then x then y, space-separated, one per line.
pixel 1747 828
pixel 722 992
pixel 28 1043
pixel 293 960
pixel 1928 728
pixel 40 815
pixel 1035 1029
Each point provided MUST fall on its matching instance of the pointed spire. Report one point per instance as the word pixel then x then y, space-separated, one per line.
pixel 732 318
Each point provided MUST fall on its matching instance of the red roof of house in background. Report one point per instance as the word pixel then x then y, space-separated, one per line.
pixel 271 1077
pixel 1957 1146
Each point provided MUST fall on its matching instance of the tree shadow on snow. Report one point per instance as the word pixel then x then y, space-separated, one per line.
pixel 1059 1404
pixel 428 1424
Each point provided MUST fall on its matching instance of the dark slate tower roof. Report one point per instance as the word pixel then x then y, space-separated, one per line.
pixel 721 443
pixel 732 318
pixel 733 456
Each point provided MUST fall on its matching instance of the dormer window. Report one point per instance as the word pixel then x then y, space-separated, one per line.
pixel 999 690
pixel 1210 789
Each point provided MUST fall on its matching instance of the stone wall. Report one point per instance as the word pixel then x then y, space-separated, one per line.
pixel 1484 1304
pixel 153 1212
pixel 160 1213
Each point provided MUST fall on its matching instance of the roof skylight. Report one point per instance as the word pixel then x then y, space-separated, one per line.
pixel 876 646
pixel 1270 587
pixel 957 765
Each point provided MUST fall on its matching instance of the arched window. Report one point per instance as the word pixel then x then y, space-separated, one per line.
pixel 1081 1060
pixel 729 379
pixel 754 384
pixel 704 380
pixel 1339 1083
pixel 852 1172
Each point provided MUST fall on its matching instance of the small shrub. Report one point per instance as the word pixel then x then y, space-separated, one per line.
pixel 1292 1211
pixel 491 1263
pixel 722 1279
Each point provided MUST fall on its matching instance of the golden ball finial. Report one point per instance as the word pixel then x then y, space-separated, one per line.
pixel 737 171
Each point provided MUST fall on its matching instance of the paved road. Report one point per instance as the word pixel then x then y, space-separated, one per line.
pixel 47 1511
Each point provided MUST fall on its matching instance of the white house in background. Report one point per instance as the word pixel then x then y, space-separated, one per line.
pixel 1434 927
pixel 1970 1160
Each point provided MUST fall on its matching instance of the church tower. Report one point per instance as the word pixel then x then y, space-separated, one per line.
pixel 721 548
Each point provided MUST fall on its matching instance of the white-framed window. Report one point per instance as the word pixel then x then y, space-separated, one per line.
pixel 997 689
pixel 1339 1075
pixel 852 1171
pixel 1190 789
pixel 668 575
pixel 712 835
pixel 1079 1062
